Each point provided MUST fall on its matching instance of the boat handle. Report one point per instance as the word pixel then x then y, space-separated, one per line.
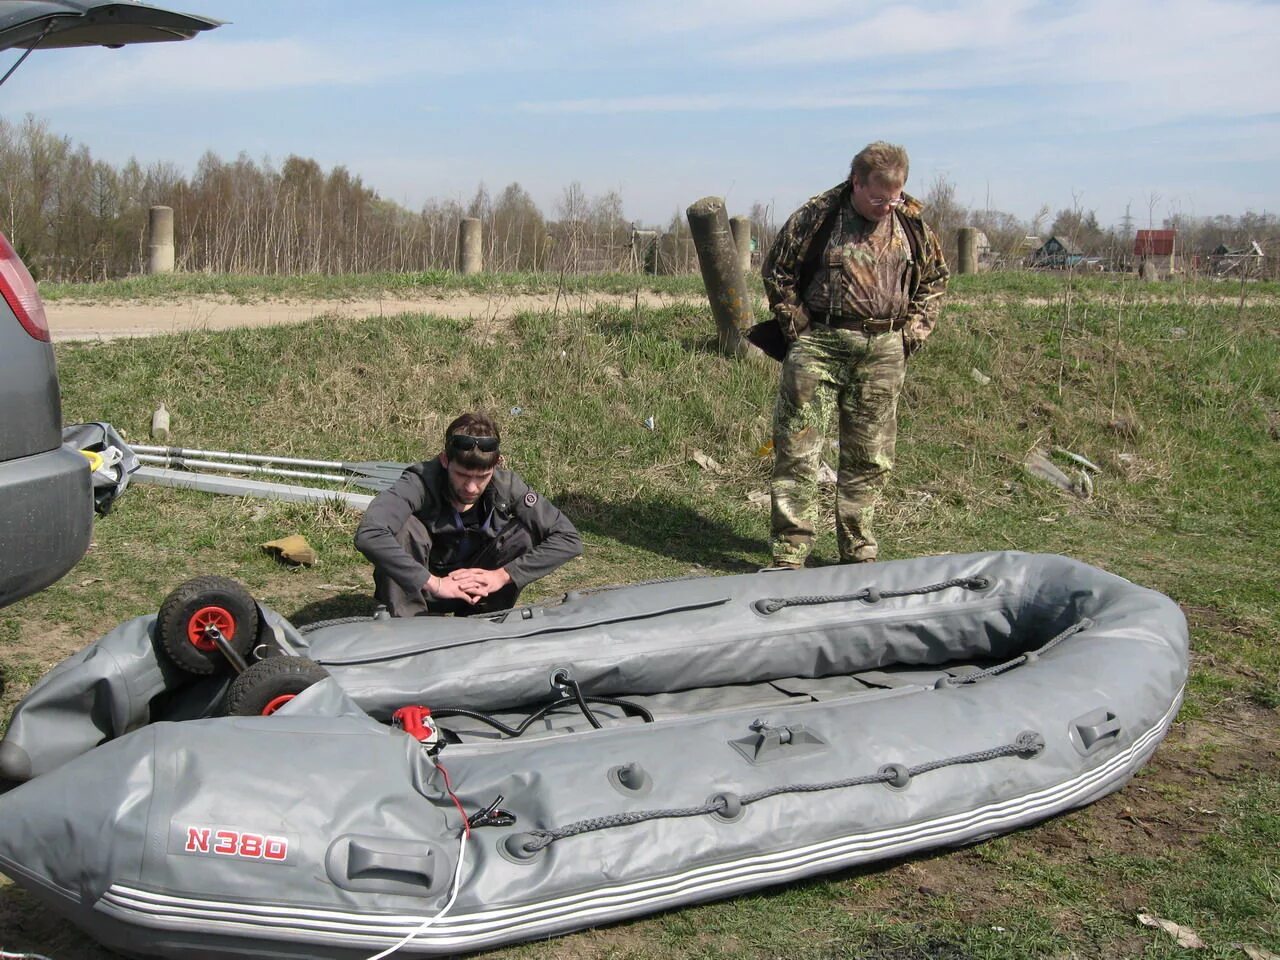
pixel 367 863
pixel 1095 730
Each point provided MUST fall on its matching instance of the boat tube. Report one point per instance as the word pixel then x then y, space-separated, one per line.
pixel 557 767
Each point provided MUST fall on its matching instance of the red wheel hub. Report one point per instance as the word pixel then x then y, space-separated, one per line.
pixel 207 617
pixel 277 703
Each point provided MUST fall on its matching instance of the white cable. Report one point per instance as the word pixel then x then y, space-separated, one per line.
pixel 457 885
pixel 22 956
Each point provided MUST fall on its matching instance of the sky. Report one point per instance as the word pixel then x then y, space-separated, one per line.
pixel 1164 106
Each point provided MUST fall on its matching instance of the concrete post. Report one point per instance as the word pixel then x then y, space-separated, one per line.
pixel 721 273
pixel 160 244
pixel 967 243
pixel 741 227
pixel 470 254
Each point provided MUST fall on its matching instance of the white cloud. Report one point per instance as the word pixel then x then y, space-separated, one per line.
pixel 894 34
pixel 1167 58
pixel 715 103
pixel 718 17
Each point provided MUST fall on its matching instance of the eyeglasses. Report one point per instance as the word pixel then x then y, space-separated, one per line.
pixel 877 202
pixel 463 442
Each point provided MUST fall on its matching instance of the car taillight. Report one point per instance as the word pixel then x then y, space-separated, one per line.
pixel 20 292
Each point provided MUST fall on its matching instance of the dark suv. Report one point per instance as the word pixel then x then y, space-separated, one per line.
pixel 46 500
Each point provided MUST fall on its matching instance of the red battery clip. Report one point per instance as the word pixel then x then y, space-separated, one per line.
pixel 417 723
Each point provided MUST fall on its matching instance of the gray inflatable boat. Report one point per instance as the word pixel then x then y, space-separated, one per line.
pixel 618 754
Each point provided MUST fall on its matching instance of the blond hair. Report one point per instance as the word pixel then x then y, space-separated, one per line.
pixel 882 160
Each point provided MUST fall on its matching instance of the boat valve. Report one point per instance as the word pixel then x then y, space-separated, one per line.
pixel 630 779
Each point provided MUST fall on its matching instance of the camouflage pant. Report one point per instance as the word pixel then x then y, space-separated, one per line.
pixel 860 375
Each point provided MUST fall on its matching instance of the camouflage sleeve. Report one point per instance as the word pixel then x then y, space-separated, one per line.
pixel 781 274
pixel 922 314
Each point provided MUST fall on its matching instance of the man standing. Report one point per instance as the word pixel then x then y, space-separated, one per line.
pixel 455 534
pixel 854 280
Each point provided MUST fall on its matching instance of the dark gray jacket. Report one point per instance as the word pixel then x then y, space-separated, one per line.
pixel 511 513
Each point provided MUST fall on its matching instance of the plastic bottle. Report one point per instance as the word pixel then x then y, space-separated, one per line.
pixel 160 423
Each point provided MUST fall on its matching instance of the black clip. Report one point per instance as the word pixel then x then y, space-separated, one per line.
pixel 492 816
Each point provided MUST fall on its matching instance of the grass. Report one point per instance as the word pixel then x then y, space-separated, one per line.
pixel 429 283
pixel 442 283
pixel 1174 391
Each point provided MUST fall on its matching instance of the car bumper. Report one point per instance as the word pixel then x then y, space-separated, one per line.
pixel 46 519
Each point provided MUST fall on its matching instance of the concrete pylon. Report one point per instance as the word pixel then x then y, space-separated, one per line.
pixel 160 242
pixel 741 227
pixel 967 243
pixel 721 273
pixel 470 255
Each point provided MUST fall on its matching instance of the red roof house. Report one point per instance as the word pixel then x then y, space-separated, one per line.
pixel 1154 243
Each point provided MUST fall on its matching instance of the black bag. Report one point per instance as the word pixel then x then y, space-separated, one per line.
pixel 767 335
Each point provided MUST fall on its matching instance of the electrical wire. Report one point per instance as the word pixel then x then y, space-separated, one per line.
pixel 445 712
pixel 457 877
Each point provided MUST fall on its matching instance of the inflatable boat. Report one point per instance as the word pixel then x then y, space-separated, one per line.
pixel 437 785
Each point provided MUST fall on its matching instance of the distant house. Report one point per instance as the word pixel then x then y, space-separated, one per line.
pixel 1055 254
pixel 1224 260
pixel 1157 246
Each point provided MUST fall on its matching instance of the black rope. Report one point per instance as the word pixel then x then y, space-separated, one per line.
pixel 869 594
pixel 1027 744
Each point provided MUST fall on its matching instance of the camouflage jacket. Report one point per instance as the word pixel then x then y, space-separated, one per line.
pixel 797 252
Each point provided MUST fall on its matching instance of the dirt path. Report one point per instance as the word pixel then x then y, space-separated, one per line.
pixel 108 321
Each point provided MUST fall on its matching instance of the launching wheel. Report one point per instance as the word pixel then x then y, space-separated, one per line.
pixel 189 612
pixel 269 684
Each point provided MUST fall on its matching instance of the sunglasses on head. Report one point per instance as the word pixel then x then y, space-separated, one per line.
pixel 463 442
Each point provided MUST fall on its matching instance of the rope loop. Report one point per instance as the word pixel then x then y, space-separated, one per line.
pixel 1028 743
pixel 728 806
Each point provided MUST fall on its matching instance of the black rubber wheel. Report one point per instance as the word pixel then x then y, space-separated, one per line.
pixel 197 604
pixel 269 684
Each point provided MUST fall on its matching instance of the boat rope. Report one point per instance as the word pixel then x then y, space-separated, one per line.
pixel 869 594
pixel 728 806
pixel 1022 658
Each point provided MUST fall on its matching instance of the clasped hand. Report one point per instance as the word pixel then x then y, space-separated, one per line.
pixel 470 584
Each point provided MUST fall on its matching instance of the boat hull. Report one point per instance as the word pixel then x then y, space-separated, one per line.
pixel 1069 678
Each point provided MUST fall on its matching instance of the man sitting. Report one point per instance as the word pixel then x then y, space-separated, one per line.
pixel 456 534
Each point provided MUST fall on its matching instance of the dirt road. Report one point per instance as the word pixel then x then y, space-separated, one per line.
pixel 71 320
